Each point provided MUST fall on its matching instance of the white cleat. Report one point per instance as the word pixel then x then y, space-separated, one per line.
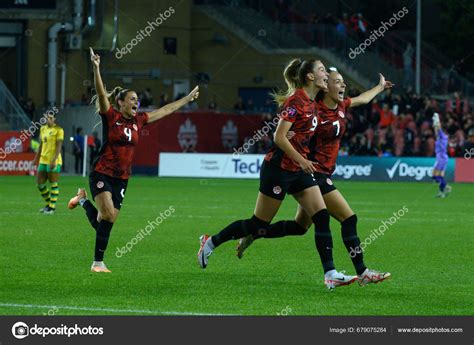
pixel 371 276
pixel 447 190
pixel 99 267
pixel 204 251
pixel 334 279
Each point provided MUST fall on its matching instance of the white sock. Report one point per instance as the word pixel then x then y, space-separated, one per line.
pixel 209 244
pixel 82 201
pixel 330 274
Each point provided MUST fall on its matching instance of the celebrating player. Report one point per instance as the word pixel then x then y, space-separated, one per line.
pixel 441 147
pixel 324 148
pixel 121 123
pixel 286 169
pixel 50 161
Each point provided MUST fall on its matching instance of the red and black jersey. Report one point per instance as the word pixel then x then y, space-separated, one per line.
pixel 300 110
pixel 120 136
pixel 324 145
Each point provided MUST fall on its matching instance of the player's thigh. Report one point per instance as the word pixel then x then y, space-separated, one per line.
pixel 337 205
pixel 436 172
pixel 311 200
pixel 266 207
pixel 53 176
pixel 105 206
pixel 302 218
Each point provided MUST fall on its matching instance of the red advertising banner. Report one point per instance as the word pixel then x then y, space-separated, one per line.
pixel 464 171
pixel 197 132
pixel 17 164
pixel 13 142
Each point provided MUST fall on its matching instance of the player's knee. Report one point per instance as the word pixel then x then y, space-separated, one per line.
pixel 349 226
pixel 108 214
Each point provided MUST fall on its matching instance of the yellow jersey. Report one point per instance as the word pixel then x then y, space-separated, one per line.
pixel 49 137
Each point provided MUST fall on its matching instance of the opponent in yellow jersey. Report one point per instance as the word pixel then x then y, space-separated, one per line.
pixel 50 161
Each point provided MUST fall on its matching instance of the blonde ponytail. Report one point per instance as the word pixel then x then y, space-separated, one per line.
pixel 290 74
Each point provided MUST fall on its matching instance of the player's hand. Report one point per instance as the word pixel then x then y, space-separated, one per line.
pixel 290 135
pixel 52 166
pixel 95 58
pixel 385 84
pixel 307 166
pixel 435 119
pixel 193 95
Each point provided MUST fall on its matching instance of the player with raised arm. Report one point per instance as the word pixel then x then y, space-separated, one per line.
pixel 324 148
pixel 287 169
pixel 442 158
pixel 50 161
pixel 121 125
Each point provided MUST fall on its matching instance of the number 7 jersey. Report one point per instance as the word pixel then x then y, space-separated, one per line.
pixel 324 145
pixel 120 136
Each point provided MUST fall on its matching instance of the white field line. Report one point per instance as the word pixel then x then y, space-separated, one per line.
pixel 109 310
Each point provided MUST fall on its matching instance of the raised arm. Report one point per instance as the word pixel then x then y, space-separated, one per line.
pixel 283 143
pixel 172 107
pixel 369 95
pixel 99 85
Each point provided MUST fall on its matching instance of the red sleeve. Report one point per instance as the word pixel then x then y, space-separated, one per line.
pixel 110 113
pixel 289 110
pixel 347 102
pixel 142 119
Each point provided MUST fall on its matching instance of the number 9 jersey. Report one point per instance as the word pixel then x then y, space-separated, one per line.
pixel 324 145
pixel 120 136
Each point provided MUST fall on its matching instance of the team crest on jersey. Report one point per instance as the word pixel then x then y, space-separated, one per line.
pixel 328 181
pixel 341 114
pixel 135 127
pixel 276 190
pixel 291 111
pixel 100 184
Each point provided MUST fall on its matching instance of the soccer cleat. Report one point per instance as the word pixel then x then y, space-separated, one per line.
pixel 244 243
pixel 371 276
pixel 441 195
pixel 48 210
pixel 42 210
pixel 204 251
pixel 447 190
pixel 81 193
pixel 99 267
pixel 337 279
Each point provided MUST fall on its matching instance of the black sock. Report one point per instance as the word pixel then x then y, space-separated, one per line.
pixel 102 239
pixel 323 239
pixel 91 213
pixel 239 229
pixel 283 228
pixel 352 243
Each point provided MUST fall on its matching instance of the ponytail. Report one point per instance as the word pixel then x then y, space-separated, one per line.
pixel 291 75
pixel 118 93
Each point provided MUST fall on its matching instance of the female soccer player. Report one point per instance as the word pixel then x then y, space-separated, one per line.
pixel 108 181
pixel 286 169
pixel 324 148
pixel 441 147
pixel 50 161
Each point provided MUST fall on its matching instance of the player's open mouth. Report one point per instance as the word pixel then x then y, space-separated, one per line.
pixel 341 93
pixel 135 108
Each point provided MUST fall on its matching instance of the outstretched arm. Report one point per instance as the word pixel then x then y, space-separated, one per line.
pixel 369 95
pixel 99 85
pixel 172 107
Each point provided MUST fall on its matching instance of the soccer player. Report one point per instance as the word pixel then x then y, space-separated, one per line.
pixel 50 161
pixel 441 147
pixel 286 169
pixel 121 123
pixel 324 148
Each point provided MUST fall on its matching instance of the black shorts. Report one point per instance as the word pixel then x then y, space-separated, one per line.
pixel 99 183
pixel 275 182
pixel 324 182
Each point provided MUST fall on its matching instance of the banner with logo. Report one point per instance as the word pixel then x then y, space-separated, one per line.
pixel 13 142
pixel 348 168
pixel 17 164
pixel 464 171
pixel 210 165
pixel 193 132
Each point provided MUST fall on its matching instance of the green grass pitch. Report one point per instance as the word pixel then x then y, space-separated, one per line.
pixel 45 260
